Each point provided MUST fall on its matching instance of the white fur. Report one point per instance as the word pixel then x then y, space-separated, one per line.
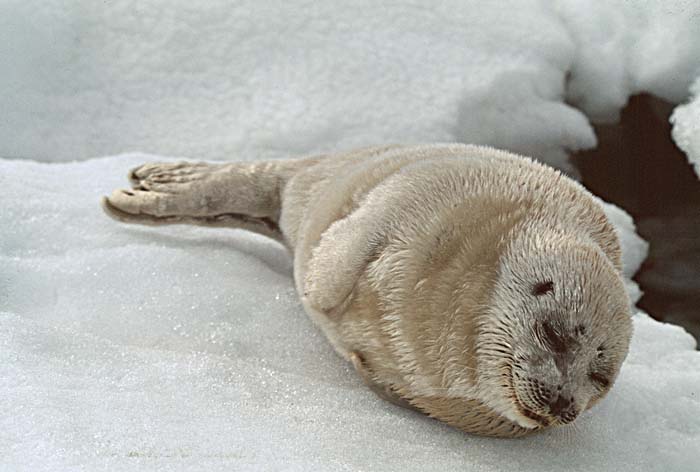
pixel 419 263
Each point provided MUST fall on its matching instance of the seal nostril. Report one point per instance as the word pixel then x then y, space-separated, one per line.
pixel 559 405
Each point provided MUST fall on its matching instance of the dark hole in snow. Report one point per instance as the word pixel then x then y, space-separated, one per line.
pixel 638 167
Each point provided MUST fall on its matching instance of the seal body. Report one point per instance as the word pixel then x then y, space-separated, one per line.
pixel 474 285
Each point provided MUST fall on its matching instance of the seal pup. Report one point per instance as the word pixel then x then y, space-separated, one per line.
pixel 474 285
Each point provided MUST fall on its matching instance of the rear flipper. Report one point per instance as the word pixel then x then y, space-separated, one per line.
pixel 238 195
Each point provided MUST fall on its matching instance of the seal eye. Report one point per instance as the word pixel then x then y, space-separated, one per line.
pixel 599 379
pixel 542 288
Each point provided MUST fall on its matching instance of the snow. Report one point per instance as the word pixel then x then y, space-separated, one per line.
pixel 686 127
pixel 132 348
pixel 264 79
pixel 185 348
pixel 250 78
pixel 630 47
pixel 634 247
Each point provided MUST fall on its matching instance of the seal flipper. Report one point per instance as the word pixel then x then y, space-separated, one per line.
pixel 237 195
pixel 261 226
pixel 383 391
pixel 345 250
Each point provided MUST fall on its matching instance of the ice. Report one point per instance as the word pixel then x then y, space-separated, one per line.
pixel 264 79
pixel 183 348
pixel 686 127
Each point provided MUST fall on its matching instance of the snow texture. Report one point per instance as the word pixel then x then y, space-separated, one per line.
pixel 635 248
pixel 247 79
pixel 184 348
pixel 686 127
pixel 180 348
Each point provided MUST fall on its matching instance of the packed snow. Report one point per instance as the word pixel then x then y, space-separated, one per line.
pixel 686 127
pixel 182 348
pixel 128 347
pixel 246 79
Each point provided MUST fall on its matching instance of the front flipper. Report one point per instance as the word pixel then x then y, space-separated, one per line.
pixel 383 391
pixel 337 262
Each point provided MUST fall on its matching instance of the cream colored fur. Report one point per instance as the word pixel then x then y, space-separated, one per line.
pixel 421 265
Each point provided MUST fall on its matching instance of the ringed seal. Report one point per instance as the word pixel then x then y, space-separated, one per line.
pixel 471 284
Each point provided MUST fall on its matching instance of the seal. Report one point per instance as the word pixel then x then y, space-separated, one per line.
pixel 474 285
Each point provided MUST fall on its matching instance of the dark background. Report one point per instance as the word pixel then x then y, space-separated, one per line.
pixel 637 166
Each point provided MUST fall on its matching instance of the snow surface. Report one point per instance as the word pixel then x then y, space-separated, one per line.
pixel 131 348
pixel 686 127
pixel 183 348
pixel 246 79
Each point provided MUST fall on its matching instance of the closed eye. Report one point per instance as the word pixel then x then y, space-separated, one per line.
pixel 599 351
pixel 599 379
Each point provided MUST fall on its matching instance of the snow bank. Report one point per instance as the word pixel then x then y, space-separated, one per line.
pixel 630 47
pixel 634 247
pixel 249 78
pixel 258 79
pixel 686 127
pixel 182 348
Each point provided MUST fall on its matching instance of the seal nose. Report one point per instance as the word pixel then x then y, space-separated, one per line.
pixel 559 405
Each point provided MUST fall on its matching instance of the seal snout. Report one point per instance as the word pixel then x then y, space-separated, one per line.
pixel 559 405
pixel 562 408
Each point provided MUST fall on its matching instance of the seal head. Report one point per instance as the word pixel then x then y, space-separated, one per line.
pixel 556 331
